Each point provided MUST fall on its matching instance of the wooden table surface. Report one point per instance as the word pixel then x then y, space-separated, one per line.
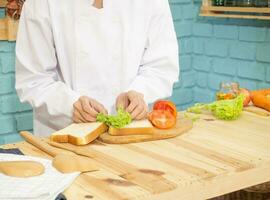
pixel 214 158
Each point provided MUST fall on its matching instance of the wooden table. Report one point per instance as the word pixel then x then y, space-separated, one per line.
pixel 214 158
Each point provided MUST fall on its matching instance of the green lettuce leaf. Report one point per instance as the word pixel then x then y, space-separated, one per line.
pixel 222 109
pixel 121 119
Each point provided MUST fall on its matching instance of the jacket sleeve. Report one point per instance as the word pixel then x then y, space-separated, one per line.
pixel 37 79
pixel 159 67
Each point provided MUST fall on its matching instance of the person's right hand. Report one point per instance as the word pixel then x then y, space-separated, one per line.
pixel 86 110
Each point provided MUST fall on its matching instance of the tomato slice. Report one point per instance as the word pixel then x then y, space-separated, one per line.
pixel 165 105
pixel 162 119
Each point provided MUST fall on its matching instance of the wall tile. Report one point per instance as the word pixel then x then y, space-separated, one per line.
pixel 198 45
pixel 263 52
pixel 243 50
pixel 225 66
pixel 6 84
pixel 248 33
pixel 226 31
pixel 202 63
pixel 216 48
pixel 252 70
pixel 24 121
pixel 7 124
pixel 202 29
pixel 185 62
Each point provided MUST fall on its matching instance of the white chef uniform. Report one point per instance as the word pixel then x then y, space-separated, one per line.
pixel 68 48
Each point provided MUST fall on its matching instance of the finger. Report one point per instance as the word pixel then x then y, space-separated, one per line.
pixel 76 120
pixel 138 110
pixel 142 115
pixel 84 115
pixel 133 104
pixel 76 112
pixel 77 106
pixel 77 117
pixel 122 101
pixel 99 108
pixel 133 94
pixel 87 117
pixel 85 102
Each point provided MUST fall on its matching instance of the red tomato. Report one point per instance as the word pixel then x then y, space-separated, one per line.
pixel 162 119
pixel 165 105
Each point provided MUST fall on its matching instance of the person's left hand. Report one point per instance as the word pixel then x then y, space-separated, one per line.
pixel 133 103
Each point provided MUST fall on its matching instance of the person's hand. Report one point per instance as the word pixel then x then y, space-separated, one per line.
pixel 86 110
pixel 133 103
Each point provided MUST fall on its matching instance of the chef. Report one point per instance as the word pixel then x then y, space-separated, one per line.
pixel 76 58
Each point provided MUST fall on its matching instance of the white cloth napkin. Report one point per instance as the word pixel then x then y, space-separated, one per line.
pixel 44 187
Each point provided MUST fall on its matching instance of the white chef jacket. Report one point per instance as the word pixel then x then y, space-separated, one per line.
pixel 68 48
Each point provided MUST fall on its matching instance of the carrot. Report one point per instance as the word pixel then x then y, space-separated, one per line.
pixel 260 98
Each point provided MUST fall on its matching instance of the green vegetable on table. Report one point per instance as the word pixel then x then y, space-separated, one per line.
pixel 222 109
pixel 121 119
pixel 192 117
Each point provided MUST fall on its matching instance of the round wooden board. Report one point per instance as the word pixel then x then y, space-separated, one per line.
pixel 183 125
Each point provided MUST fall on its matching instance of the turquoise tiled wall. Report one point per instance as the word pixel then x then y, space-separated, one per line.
pixel 184 14
pixel 14 116
pixel 211 50
pixel 218 50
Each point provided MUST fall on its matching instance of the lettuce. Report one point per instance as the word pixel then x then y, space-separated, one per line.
pixel 121 119
pixel 222 109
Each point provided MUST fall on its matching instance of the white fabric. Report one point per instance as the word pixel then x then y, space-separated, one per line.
pixel 68 48
pixel 44 187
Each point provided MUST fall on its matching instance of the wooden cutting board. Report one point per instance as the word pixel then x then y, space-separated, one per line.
pixel 183 125
pixel 257 110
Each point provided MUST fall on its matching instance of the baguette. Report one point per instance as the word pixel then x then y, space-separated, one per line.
pixel 79 134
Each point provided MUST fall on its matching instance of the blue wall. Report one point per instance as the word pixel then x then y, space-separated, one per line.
pixel 184 14
pixel 211 50
pixel 214 50
pixel 14 116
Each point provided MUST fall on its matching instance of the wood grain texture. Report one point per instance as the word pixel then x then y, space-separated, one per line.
pixel 233 16
pixel 237 9
pixel 8 29
pixel 3 29
pixel 8 26
pixel 257 110
pixel 183 125
pixel 213 158
pixel 208 10
pixel 3 3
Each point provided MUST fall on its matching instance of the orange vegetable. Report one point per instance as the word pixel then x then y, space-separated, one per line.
pixel 166 105
pixel 222 96
pixel 260 98
pixel 162 119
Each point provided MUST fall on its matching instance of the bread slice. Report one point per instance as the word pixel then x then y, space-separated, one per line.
pixel 79 134
pixel 139 127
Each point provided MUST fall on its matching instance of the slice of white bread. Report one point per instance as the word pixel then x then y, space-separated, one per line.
pixel 136 127
pixel 79 134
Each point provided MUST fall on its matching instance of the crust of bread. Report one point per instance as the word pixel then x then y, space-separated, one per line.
pixel 66 138
pixel 131 131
